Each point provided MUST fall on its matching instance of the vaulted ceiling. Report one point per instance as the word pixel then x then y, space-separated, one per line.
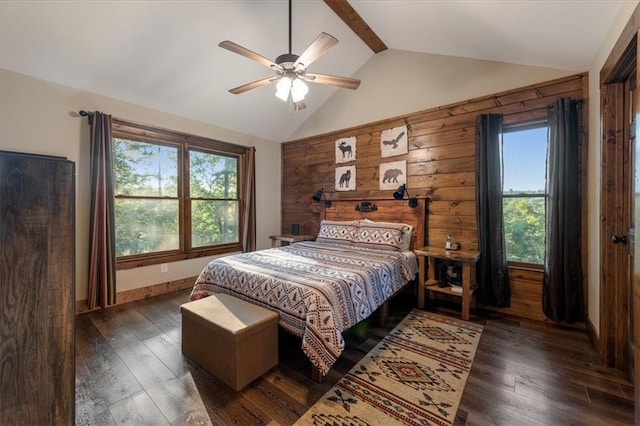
pixel 165 55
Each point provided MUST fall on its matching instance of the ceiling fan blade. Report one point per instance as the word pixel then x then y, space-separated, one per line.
pixel 236 48
pixel 344 82
pixel 252 85
pixel 317 48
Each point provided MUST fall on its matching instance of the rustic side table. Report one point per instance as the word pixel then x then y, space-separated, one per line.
pixel 429 282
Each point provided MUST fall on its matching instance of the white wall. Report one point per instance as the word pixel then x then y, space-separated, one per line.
pixel 399 82
pixel 595 158
pixel 35 118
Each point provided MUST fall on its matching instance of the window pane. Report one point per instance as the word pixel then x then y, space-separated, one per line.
pixel 214 222
pixel 144 169
pixel 146 226
pixel 212 176
pixel 524 159
pixel 524 229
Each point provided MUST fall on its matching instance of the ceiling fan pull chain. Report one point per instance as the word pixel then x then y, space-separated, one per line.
pixel 290 27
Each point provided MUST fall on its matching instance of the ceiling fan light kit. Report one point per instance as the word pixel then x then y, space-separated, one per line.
pixel 291 69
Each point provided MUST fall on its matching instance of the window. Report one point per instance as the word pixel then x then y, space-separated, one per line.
pixel 176 195
pixel 524 159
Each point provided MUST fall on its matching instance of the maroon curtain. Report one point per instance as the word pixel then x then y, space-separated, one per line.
pixel 249 197
pixel 102 247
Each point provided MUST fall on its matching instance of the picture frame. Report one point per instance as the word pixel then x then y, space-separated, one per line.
pixel 394 142
pixel 346 178
pixel 393 174
pixel 345 150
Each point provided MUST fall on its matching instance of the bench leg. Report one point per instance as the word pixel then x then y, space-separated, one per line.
pixel 316 375
pixel 384 314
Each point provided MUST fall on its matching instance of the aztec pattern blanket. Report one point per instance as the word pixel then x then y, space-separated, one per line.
pixel 414 376
pixel 319 289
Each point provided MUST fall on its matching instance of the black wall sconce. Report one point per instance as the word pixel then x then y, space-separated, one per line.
pixel 319 196
pixel 399 195
pixel 366 206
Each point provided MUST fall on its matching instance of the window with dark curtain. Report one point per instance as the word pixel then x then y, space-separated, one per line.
pixel 492 275
pixel 562 293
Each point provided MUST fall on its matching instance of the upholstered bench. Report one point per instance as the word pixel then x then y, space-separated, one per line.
pixel 234 340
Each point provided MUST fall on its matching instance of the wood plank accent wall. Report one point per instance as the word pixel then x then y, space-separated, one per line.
pixel 440 165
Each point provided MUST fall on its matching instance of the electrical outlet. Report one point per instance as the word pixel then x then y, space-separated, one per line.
pixel 164 267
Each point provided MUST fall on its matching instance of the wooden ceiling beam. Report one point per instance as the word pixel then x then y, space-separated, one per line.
pixel 347 13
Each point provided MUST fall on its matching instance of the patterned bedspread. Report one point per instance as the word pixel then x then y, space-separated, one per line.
pixel 319 289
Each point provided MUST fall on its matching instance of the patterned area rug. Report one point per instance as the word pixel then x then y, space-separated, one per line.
pixel 414 376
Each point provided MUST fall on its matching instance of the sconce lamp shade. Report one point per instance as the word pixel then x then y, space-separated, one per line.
pixel 399 195
pixel 319 196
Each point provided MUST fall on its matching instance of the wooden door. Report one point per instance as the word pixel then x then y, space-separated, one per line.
pixel 616 222
pixel 620 206
pixel 634 325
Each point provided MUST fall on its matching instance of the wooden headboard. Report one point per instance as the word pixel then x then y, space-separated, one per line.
pixel 388 211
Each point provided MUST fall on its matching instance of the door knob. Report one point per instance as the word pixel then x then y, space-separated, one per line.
pixel 616 239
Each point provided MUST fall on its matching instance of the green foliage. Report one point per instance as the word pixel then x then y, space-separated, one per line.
pixel 215 219
pixel 524 229
pixel 146 225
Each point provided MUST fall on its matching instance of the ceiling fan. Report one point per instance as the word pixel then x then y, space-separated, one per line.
pixel 291 70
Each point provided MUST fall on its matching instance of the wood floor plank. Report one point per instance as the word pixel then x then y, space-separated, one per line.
pixel 169 352
pixel 163 313
pixel 298 385
pixel 175 398
pixel 90 408
pixel 107 377
pixel 276 403
pixel 231 407
pixel 525 372
pixel 136 410
pixel 481 410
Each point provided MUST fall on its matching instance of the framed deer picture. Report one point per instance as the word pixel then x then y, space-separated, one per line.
pixel 346 150
pixel 394 142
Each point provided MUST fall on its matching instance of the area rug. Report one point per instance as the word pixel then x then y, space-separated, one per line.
pixel 414 376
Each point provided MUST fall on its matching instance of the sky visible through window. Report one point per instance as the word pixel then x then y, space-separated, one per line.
pixel 524 156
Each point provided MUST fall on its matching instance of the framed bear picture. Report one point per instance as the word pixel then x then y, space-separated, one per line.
pixel 393 174
pixel 346 178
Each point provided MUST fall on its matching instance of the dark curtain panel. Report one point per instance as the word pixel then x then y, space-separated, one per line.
pixel 249 225
pixel 492 276
pixel 562 295
pixel 102 247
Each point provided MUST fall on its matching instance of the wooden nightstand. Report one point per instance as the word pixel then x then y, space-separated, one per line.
pixel 468 260
pixel 290 238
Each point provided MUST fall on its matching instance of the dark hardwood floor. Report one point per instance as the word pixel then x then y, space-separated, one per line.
pixel 130 370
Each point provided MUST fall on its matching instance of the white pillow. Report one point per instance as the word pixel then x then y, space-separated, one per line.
pixel 341 232
pixel 407 231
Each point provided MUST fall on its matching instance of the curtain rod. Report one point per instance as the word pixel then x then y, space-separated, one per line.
pixel 87 114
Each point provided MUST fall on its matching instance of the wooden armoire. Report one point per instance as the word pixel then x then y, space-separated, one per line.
pixel 37 290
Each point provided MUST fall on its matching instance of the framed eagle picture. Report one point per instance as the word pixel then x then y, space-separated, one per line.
pixel 394 142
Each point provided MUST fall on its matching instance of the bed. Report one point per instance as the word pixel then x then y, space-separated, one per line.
pixel 321 288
